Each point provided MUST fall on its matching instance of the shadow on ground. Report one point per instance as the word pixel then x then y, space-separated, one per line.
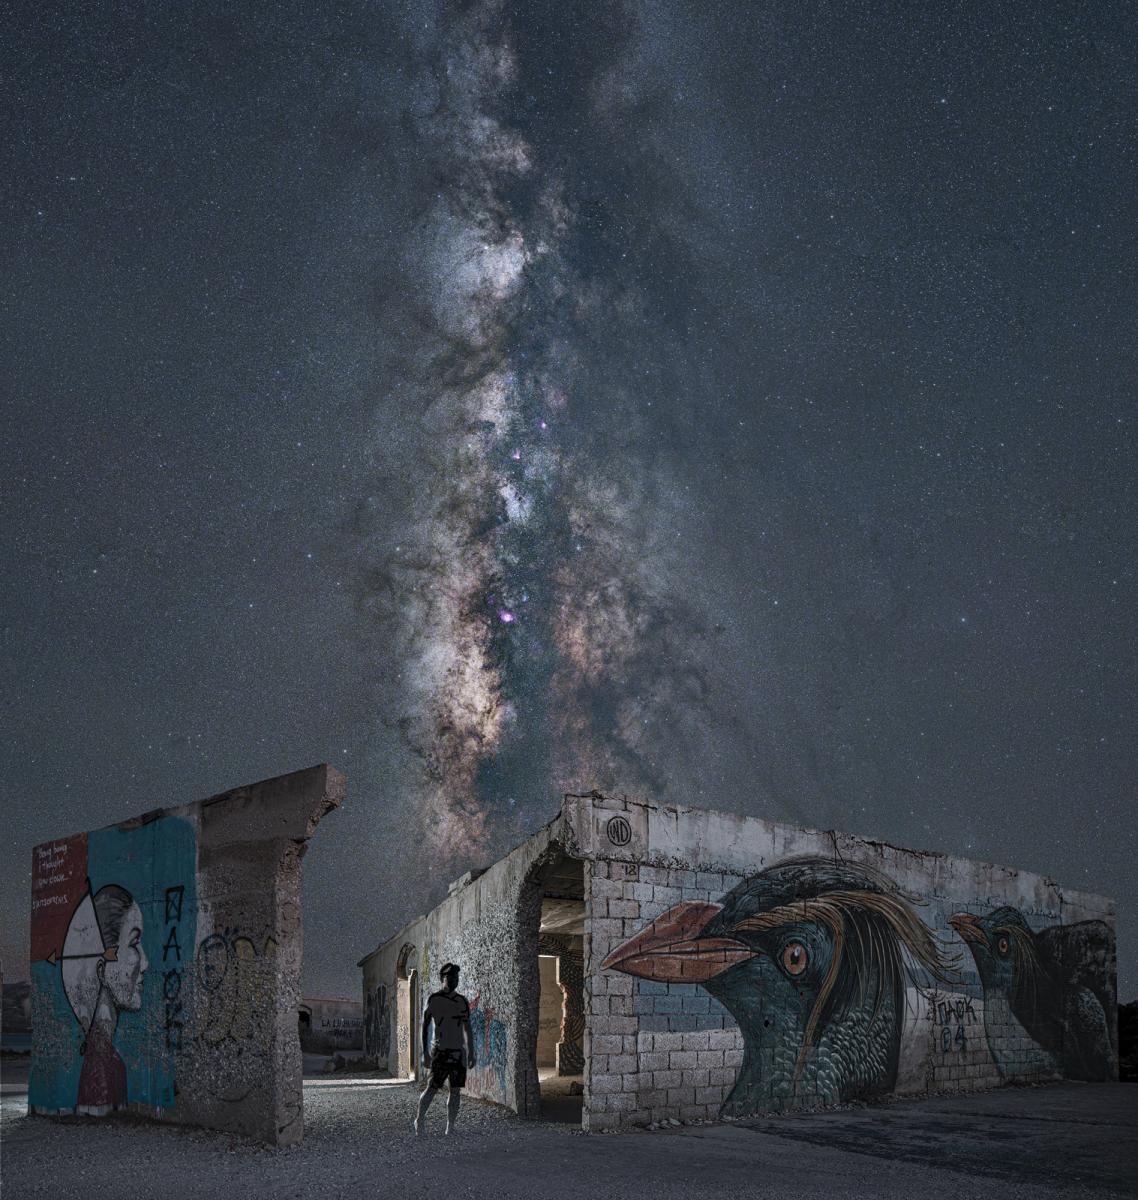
pixel 1070 1140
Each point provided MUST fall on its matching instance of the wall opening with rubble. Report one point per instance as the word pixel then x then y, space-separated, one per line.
pixel 166 961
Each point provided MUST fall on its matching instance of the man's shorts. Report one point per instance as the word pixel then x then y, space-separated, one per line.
pixel 448 1066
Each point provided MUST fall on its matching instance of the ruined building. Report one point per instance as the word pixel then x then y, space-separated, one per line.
pixel 686 964
pixel 166 961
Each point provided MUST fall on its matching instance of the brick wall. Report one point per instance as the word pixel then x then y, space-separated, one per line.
pixel 671 1051
pixel 658 1050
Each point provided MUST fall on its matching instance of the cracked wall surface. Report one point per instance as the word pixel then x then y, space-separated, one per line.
pixel 734 966
pixel 737 966
pixel 166 957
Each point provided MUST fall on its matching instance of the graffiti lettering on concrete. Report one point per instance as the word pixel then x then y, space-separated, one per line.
pixel 234 974
pixel 230 973
pixel 951 1020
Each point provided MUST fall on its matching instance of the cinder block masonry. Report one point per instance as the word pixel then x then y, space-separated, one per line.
pixel 734 966
pixel 166 961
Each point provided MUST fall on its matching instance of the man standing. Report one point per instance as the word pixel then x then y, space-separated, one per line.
pixel 451 1014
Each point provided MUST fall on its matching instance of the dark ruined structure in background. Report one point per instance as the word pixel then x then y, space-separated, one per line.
pixel 330 1026
pixel 733 966
pixel 16 1019
pixel 166 961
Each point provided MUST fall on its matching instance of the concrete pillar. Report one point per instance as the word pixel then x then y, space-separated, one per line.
pixel 166 956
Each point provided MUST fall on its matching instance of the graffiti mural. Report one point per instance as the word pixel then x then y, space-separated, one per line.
pixel 1052 989
pixel 102 967
pixel 235 970
pixel 490 1047
pixel 106 913
pixel 811 957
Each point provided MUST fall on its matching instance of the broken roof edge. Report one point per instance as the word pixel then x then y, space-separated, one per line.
pixel 477 874
pixel 842 842
pixel 333 786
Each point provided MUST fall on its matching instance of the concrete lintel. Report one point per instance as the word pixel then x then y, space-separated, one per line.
pixel 286 806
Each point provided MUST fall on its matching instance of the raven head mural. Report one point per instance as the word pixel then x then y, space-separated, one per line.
pixel 1003 948
pixel 1057 986
pixel 810 957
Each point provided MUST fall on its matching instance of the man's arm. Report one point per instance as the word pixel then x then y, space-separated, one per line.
pixel 426 1034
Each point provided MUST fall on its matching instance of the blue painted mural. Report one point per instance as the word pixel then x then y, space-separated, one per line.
pixel 114 924
pixel 811 957
pixel 490 1046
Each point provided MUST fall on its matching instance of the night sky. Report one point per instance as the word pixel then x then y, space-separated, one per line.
pixel 728 404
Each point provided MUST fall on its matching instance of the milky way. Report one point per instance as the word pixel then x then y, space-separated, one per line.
pixel 540 627
pixel 726 404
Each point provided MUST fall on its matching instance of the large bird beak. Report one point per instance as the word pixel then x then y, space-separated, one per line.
pixel 969 928
pixel 670 950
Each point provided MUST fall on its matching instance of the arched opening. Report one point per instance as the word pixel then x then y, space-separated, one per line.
pixel 408 1014
pixel 304 1027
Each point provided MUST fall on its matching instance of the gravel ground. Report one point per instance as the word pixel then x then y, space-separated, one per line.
pixel 1068 1141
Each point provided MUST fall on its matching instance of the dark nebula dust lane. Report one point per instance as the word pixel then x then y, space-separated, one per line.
pixel 729 406
pixel 544 635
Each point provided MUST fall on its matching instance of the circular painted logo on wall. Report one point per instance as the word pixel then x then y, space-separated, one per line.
pixel 619 831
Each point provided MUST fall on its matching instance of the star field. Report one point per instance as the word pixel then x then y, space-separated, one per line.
pixel 731 407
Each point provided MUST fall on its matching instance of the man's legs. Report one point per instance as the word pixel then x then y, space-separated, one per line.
pixel 452 1107
pixel 425 1099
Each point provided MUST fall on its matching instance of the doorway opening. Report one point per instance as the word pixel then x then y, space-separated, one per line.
pixel 557 972
pixel 408 1012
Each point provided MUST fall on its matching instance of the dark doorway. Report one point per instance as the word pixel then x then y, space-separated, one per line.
pixel 558 1042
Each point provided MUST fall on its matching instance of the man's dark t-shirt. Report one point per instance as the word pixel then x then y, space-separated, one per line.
pixel 451 1014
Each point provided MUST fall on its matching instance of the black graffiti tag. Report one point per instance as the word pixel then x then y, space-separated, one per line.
pixel 952 1016
pixel 172 969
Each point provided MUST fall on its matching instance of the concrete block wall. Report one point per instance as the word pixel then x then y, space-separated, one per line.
pixel 953 975
pixel 166 958
pixel 658 1050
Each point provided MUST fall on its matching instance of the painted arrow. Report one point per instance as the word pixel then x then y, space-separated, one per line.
pixel 111 954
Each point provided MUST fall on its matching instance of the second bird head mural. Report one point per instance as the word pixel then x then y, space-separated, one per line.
pixel 810 957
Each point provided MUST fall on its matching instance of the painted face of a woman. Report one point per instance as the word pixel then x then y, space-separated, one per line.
pixel 122 977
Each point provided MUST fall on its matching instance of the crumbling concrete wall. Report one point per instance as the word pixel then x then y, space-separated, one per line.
pixel 488 925
pixel 166 958
pixel 735 966
pixel 330 1025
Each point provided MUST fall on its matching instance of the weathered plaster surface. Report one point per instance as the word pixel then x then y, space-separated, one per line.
pixel 201 1001
pixel 663 1049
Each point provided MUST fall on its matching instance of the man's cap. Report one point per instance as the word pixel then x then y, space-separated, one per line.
pixel 446 969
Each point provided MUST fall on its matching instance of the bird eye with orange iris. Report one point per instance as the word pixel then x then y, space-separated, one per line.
pixel 794 958
pixel 1002 945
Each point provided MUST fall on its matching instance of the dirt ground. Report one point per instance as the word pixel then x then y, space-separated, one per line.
pixel 1070 1140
